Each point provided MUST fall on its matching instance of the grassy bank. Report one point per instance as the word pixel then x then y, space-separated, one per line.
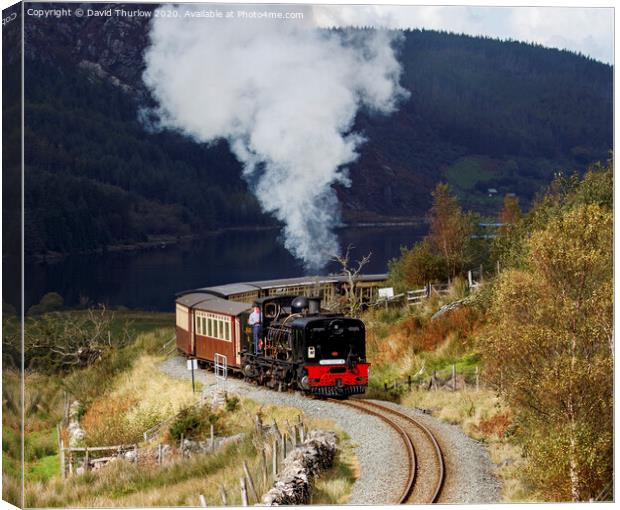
pixel 123 394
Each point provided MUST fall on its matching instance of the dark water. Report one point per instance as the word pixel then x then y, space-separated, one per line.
pixel 149 279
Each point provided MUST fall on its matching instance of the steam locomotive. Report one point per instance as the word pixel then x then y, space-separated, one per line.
pixel 303 347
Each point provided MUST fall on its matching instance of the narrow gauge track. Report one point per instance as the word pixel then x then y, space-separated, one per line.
pixel 425 460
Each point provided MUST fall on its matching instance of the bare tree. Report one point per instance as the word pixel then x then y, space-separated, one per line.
pixel 61 341
pixel 351 301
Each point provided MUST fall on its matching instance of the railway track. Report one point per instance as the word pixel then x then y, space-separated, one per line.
pixel 426 469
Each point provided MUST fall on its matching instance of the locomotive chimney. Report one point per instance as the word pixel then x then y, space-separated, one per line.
pixel 314 305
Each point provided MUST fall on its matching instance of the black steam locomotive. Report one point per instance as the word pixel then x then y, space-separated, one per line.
pixel 306 348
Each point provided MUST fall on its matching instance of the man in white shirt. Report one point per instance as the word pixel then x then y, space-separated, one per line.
pixel 255 321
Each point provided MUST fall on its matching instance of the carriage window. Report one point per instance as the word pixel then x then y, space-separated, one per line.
pixel 204 326
pixel 220 326
pixel 210 327
pixel 227 331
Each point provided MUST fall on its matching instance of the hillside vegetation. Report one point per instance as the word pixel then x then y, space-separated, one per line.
pixel 539 334
pixel 122 393
pixel 483 114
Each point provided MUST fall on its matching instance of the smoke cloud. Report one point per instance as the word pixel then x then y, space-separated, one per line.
pixel 285 97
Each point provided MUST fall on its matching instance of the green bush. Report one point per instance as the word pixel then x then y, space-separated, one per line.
pixel 232 404
pixel 192 422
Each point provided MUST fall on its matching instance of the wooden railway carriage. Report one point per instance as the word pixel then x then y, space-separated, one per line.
pixel 207 325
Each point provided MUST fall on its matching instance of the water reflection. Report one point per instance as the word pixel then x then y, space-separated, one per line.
pixel 149 279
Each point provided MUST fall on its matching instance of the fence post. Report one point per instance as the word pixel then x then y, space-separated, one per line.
pixel 385 387
pixel 434 380
pixel 223 495
pixel 477 378
pixel 481 275
pixel 244 492
pixel 274 458
pixel 62 459
pixel 497 267
pixel 159 452
pixel 250 481
pixel 453 377
pixel 283 447
pixel 470 279
pixel 259 423
pixel 212 444
pixel 409 381
pixel 263 459
pixel 203 501
pixel 86 461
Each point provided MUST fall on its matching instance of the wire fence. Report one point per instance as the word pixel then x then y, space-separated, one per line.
pixel 451 379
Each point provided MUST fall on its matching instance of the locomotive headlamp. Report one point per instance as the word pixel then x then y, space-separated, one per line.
pixel 311 352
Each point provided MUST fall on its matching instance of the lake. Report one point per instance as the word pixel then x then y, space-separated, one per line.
pixel 149 279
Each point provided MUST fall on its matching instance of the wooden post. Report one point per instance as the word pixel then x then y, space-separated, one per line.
pixel 453 377
pixel 409 381
pixel 293 434
pixel 259 423
pixel 385 387
pixel 250 481
pixel 481 275
pixel 274 458
pixel 159 452
pixel 470 279
pixel 283 447
pixel 223 496
pixel 203 501
pixel 276 429
pixel 212 444
pixel 244 492
pixel 263 459
pixel 62 459
pixel 497 267
pixel 86 461
pixel 434 380
pixel 135 451
pixel 70 462
pixel 477 378
pixel 302 433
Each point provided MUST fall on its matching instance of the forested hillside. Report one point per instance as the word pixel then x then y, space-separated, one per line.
pixel 482 114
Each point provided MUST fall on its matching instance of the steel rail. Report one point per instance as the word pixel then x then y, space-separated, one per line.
pixel 411 458
pixel 381 412
pixel 439 455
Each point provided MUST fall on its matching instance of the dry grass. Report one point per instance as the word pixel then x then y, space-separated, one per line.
pixel 180 481
pixel 141 398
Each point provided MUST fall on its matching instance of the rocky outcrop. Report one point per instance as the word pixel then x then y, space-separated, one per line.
pixel 293 486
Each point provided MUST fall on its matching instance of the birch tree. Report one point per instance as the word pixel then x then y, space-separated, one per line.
pixel 550 352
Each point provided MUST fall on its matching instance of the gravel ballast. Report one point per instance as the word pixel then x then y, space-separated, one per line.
pixel 376 444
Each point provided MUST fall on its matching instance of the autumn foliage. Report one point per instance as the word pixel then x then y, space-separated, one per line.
pixel 549 349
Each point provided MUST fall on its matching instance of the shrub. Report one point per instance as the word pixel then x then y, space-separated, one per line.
pixel 232 404
pixel 192 422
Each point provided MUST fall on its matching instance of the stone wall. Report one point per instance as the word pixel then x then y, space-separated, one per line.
pixel 294 483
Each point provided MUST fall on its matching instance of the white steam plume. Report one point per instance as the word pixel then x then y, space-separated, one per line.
pixel 285 97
